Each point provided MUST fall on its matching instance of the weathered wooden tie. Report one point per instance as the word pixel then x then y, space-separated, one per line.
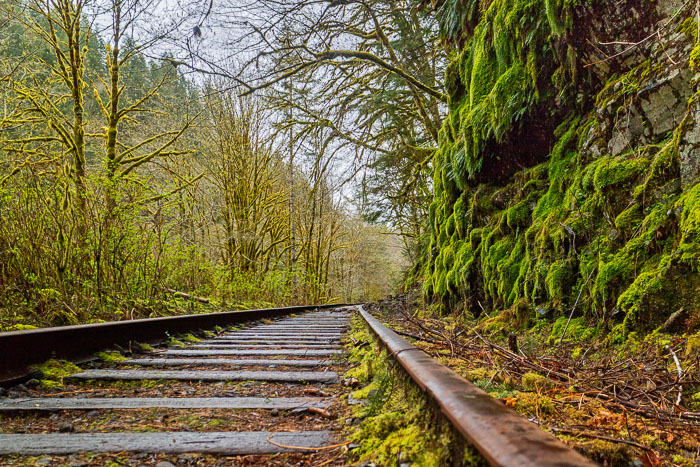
pixel 277 338
pixel 228 443
pixel 186 375
pixel 215 345
pixel 220 353
pixel 222 362
pixel 85 403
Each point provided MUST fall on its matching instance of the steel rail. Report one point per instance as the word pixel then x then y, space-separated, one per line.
pixel 502 436
pixel 19 350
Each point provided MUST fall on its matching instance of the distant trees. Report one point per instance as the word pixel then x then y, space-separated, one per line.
pixel 248 175
pixel 368 83
pixel 120 178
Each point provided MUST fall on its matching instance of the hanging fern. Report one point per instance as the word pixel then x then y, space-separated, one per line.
pixel 458 18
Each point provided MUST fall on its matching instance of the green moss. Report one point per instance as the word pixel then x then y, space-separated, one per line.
pixel 111 357
pixel 533 404
pixel 398 422
pixel 618 171
pixel 689 27
pixel 518 215
pixel 693 345
pixel 189 338
pixel 502 69
pixel 557 277
pixel 53 372
pixel 695 59
pixel 364 392
pixel 174 342
pixel 579 330
pixel 21 327
pixel 535 382
pixel 689 247
pixel 629 219
pixel 618 233
pixel 459 216
pixel 475 237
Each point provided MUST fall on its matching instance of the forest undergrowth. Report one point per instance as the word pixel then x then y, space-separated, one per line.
pixel 615 400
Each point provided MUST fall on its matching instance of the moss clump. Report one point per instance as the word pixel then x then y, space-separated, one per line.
pixel 617 171
pixel 629 219
pixel 689 247
pixel 557 277
pixel 189 338
pixel 518 215
pixel 175 342
pixel 579 330
pixel 695 59
pixel 689 27
pixel 692 346
pixel 695 401
pixel 533 404
pixel 145 347
pixel 53 372
pixel 111 357
pixel 21 327
pixel 366 391
pixel 535 382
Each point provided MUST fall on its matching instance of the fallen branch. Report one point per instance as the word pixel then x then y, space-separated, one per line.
pixel 586 434
pixel 680 373
pixel 186 295
pixel 321 412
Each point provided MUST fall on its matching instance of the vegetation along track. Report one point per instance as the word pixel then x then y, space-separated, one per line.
pixel 267 393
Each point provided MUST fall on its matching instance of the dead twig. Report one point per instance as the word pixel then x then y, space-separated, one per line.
pixel 306 448
pixel 646 39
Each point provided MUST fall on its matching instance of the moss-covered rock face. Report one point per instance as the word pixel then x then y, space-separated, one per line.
pixel 605 217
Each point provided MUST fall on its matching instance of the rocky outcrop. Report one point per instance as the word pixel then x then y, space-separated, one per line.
pixel 689 148
pixel 608 220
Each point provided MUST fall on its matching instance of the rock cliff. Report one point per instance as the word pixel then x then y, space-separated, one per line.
pixel 568 167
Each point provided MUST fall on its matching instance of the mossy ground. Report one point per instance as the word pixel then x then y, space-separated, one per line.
pixel 398 422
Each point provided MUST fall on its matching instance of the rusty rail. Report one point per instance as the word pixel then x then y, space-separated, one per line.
pixel 21 349
pixel 502 436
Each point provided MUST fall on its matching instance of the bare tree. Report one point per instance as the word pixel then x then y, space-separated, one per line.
pixel 367 77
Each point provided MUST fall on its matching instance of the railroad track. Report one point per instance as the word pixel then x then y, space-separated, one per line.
pixel 268 392
pixel 257 393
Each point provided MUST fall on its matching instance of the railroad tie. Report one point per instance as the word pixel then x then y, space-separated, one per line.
pixel 265 368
